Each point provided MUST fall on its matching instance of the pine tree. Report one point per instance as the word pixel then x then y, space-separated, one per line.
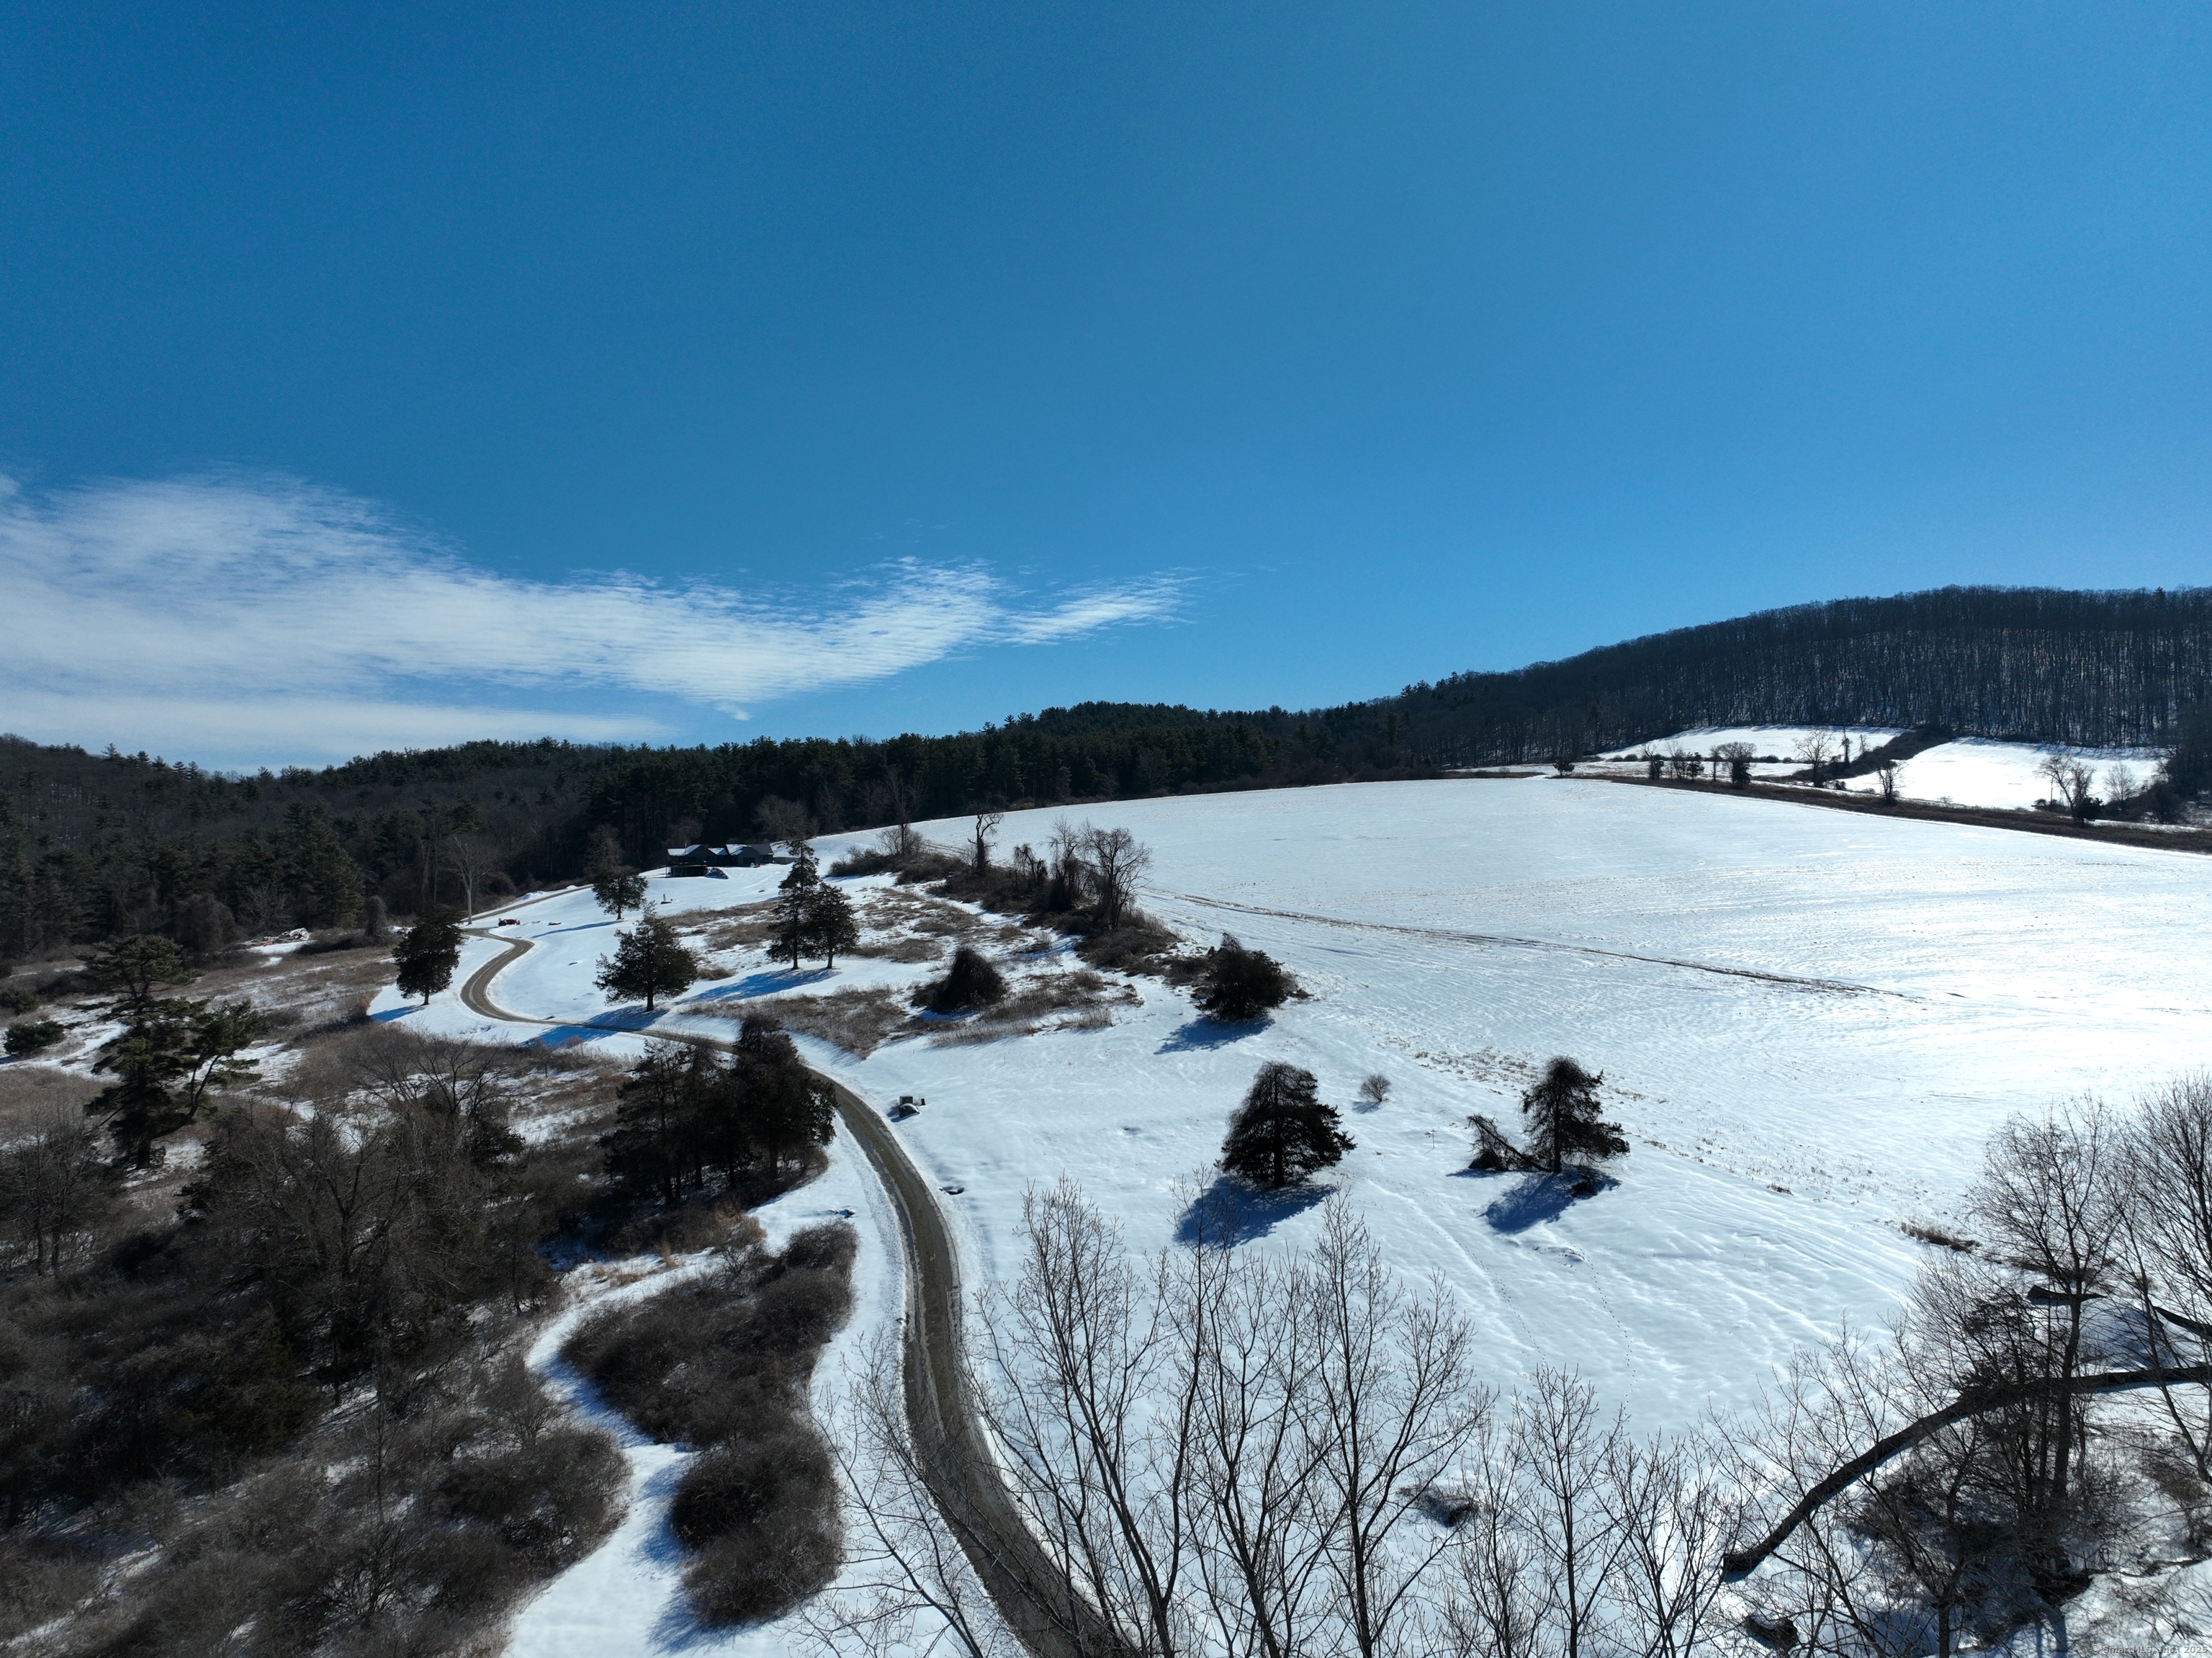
pixel 649 1150
pixel 1562 1113
pixel 135 967
pixel 830 923
pixel 1282 1133
pixel 649 961
pixel 428 953
pixel 795 907
pixel 785 1106
pixel 618 890
pixel 321 869
pixel 166 1062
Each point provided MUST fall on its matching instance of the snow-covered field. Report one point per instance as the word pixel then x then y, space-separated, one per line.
pixel 1967 772
pixel 1808 1021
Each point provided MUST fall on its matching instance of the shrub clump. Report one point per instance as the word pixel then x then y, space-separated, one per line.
pixel 32 1036
pixel 723 1363
pixel 971 982
pixel 1237 985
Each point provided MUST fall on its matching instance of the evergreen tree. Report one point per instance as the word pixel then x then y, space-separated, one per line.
pixel 650 960
pixel 785 1106
pixel 428 953
pixel 1562 1113
pixel 166 1062
pixel 1282 1133
pixel 618 890
pixel 135 967
pixel 650 1149
pixel 321 869
pixel 31 1036
pixel 1238 984
pixel 830 923
pixel 795 906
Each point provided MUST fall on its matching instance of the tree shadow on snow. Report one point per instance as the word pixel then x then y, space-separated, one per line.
pixel 624 1019
pixel 567 1036
pixel 767 982
pixel 1537 1197
pixel 1203 1032
pixel 391 1014
pixel 1234 1211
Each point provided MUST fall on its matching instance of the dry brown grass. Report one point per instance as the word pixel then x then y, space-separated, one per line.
pixel 903 909
pixel 31 1093
pixel 900 946
pixel 1085 1000
pixel 858 1021
pixel 741 927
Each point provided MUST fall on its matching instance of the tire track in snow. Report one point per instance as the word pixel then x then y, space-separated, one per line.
pixel 1833 986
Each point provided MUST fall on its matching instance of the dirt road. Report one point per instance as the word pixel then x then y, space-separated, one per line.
pixel 1035 1599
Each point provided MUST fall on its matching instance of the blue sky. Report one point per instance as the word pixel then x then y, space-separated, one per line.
pixel 380 377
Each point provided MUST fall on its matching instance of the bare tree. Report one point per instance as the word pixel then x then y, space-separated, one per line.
pixel 471 858
pixel 2047 1197
pixel 1885 777
pixel 784 820
pixel 1669 1513
pixel 986 825
pixel 2167 1154
pixel 910 1586
pixel 1736 756
pixel 1117 860
pixel 1501 1596
pixel 1396 1404
pixel 2121 784
pixel 2071 780
pixel 55 1187
pixel 1564 1443
pixel 1095 1403
pixel 1814 748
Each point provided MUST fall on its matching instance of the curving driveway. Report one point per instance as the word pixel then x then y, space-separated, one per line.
pixel 1039 1604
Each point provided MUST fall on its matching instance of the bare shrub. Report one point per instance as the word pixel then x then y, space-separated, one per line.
pixel 723 1363
pixel 1938 1237
pixel 1082 995
pixel 1138 945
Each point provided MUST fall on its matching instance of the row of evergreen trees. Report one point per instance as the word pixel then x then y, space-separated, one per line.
pixel 694 1119
pixel 1284 1132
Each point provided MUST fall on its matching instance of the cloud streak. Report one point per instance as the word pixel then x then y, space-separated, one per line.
pixel 264 611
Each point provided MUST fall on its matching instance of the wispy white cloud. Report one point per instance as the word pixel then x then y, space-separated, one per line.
pixel 263 612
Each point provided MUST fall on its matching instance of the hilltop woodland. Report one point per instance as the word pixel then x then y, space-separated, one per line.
pixel 96 847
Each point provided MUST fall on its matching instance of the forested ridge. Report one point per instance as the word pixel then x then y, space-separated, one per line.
pixel 94 846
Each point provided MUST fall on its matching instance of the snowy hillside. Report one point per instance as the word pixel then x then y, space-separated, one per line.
pixel 1966 771
pixel 1808 1021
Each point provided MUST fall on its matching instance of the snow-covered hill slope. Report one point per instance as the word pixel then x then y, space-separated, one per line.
pixel 1967 772
pixel 1808 1021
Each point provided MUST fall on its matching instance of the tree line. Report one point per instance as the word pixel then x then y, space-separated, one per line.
pixel 95 847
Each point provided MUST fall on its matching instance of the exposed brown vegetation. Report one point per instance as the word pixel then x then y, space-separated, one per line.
pixel 308 1415
pixel 722 1363
pixel 858 1021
